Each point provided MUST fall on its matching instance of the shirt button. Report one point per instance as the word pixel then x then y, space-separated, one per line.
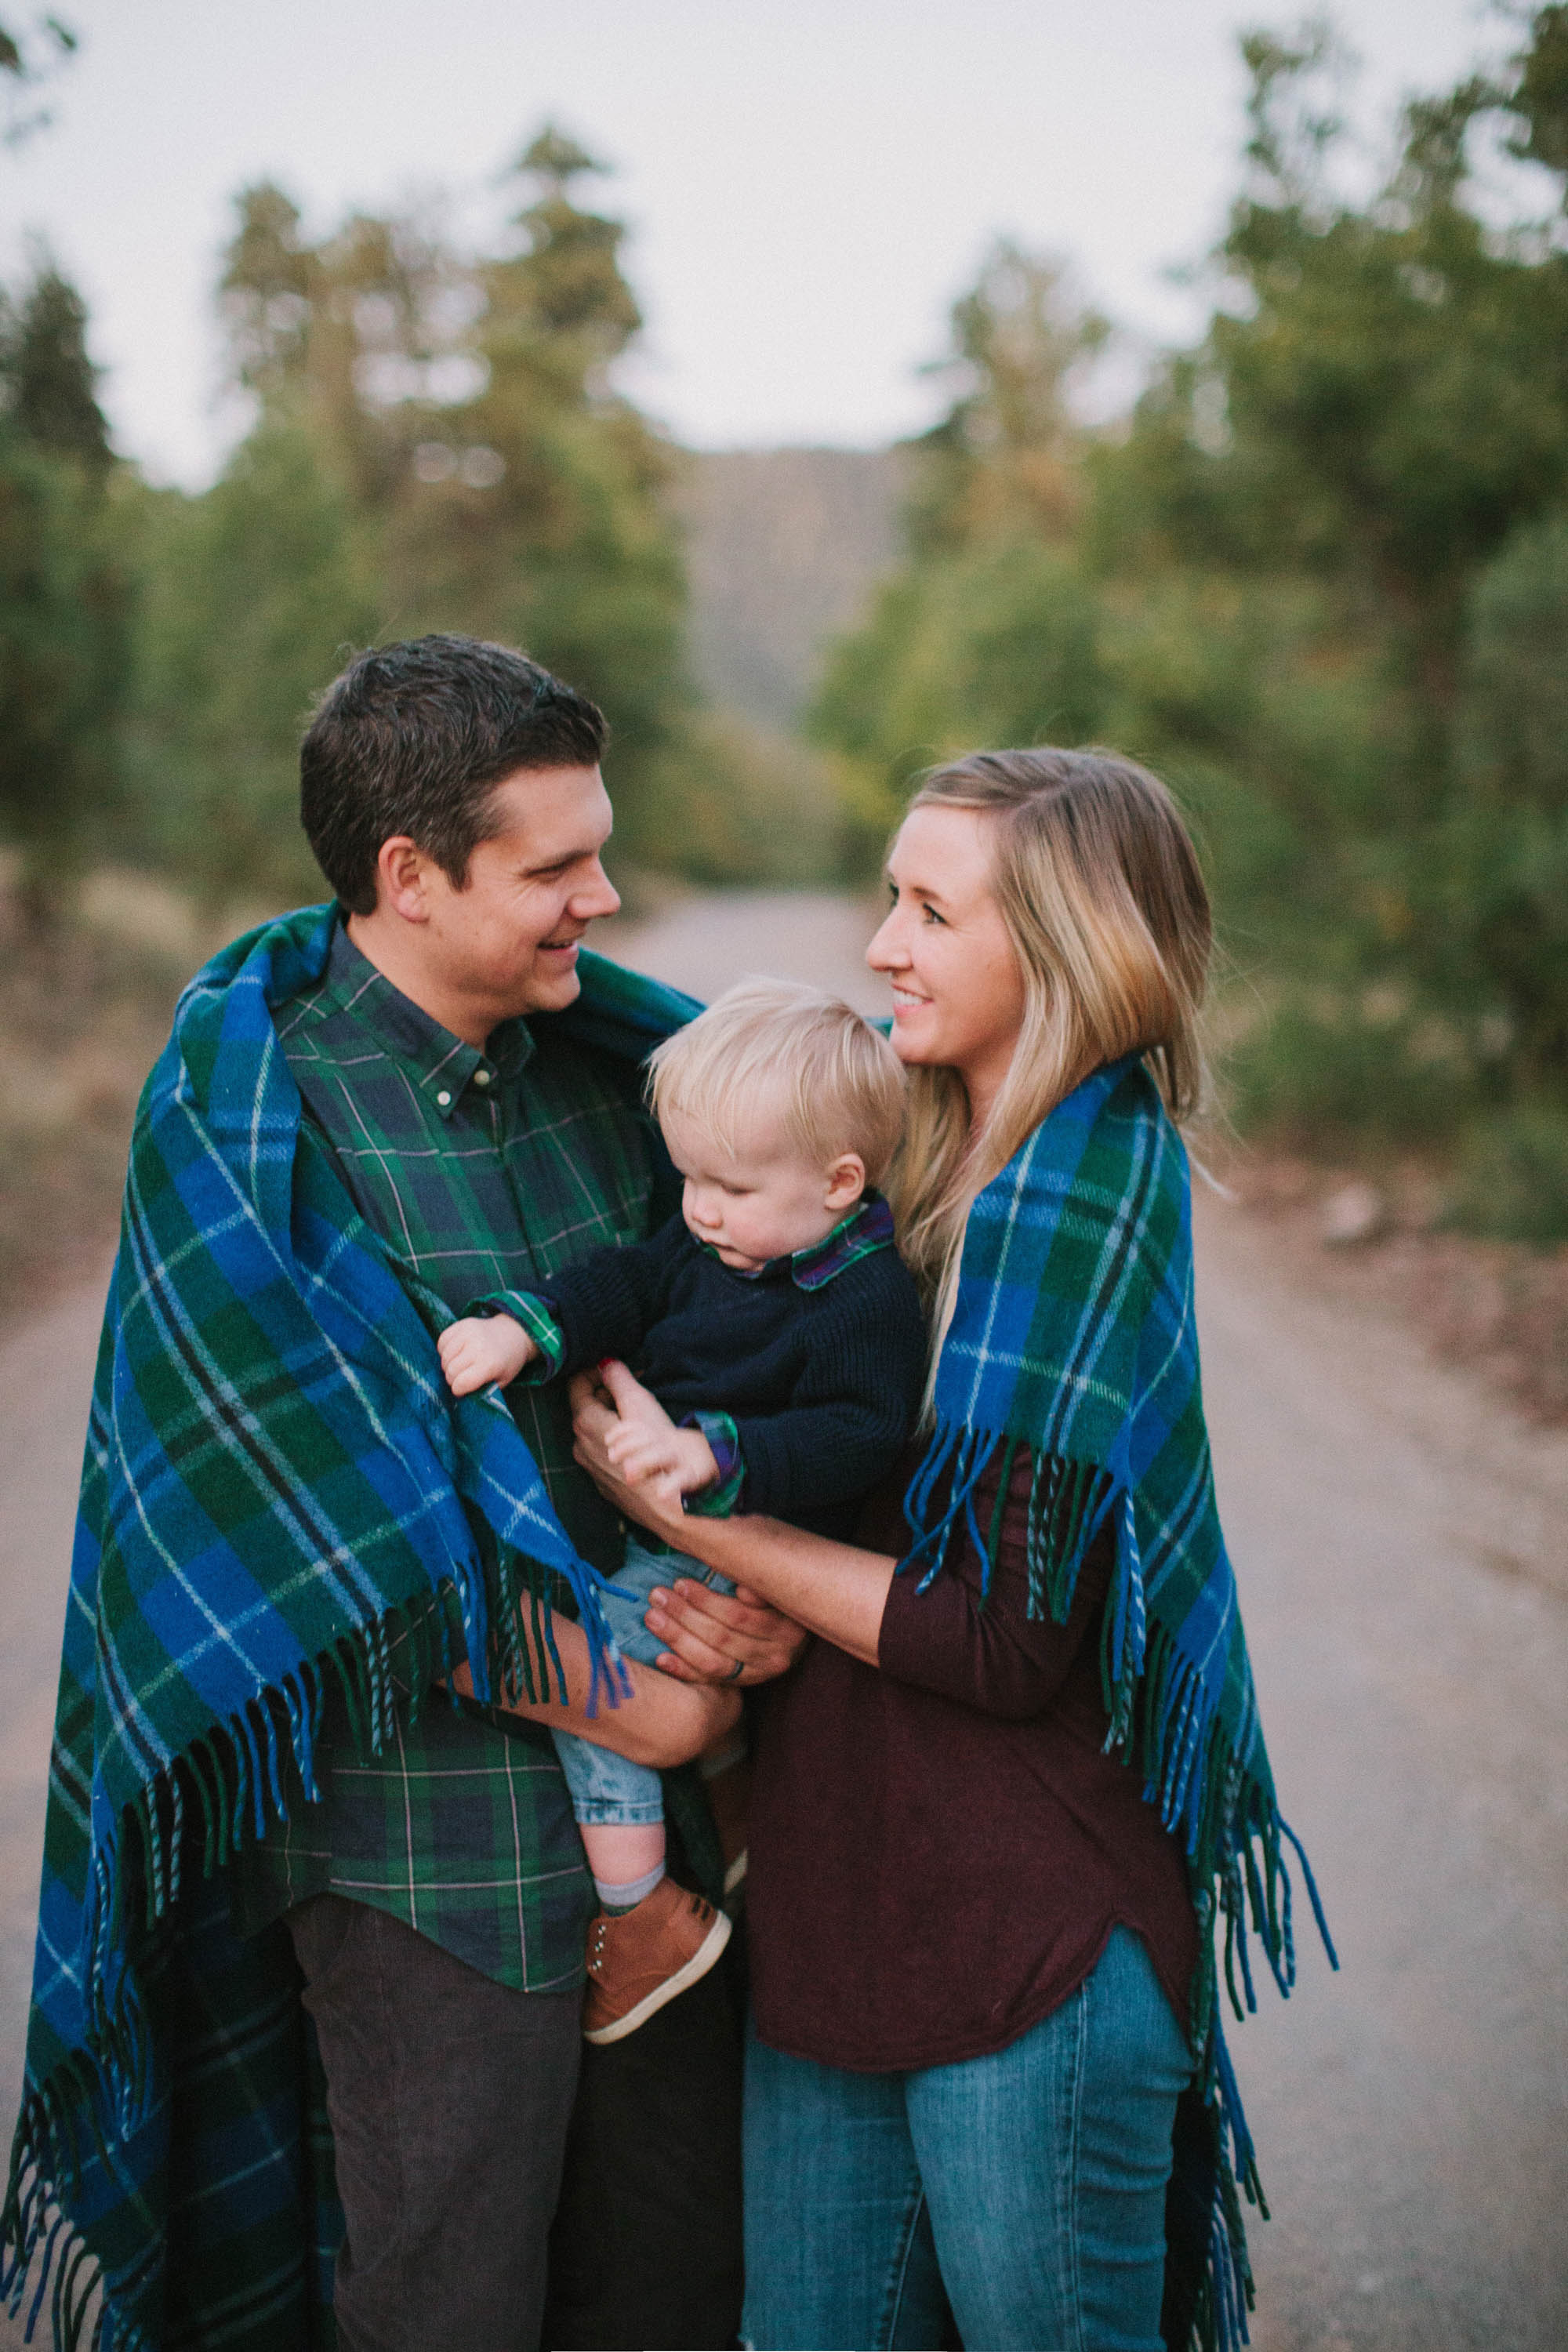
pixel 481 1078
pixel 443 1098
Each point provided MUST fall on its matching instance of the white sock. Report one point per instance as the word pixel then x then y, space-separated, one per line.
pixel 625 1893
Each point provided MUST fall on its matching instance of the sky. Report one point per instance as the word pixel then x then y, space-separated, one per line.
pixel 808 184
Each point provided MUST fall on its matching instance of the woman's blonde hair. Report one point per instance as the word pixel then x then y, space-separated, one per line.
pixel 1099 888
pixel 779 1049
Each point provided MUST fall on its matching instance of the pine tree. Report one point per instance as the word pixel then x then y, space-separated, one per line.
pixel 64 597
pixel 52 385
pixel 536 510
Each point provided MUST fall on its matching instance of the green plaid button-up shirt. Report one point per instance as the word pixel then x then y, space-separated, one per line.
pixel 486 1172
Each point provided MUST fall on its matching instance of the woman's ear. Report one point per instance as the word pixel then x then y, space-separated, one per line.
pixel 846 1181
pixel 400 868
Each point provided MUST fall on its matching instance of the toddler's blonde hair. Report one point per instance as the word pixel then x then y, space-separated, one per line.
pixel 779 1048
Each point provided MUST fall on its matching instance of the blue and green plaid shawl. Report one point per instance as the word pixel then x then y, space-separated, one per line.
pixel 1073 1335
pixel 281 1503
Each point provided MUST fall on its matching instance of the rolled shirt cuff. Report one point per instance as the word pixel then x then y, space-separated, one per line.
pixel 537 1322
pixel 722 1494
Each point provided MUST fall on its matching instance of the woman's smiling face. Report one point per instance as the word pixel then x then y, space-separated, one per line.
pixel 958 994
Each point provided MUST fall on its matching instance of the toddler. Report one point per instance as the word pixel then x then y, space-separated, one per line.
pixel 777 1325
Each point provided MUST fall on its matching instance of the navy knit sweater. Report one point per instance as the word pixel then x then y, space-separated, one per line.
pixel 818 1358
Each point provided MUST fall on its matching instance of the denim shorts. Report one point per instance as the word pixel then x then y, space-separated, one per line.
pixel 606 1787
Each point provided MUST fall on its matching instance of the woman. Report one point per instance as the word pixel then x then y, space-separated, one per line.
pixel 999 1801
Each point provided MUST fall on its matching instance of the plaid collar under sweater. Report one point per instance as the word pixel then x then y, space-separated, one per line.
pixel 869 1226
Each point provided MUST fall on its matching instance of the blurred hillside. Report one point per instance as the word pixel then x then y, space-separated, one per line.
pixel 783 550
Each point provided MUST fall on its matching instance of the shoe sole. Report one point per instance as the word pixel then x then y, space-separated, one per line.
pixel 697 1966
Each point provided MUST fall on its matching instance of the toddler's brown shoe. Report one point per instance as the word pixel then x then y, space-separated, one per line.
pixel 641 1959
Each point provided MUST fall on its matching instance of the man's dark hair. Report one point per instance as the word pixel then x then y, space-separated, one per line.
pixel 412 737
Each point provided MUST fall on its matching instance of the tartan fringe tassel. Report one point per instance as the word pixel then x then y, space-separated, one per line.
pixel 42 2253
pixel 223 1790
pixel 1165 1720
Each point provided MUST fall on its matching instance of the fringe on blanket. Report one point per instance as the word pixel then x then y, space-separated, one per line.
pixel 1165 1720
pixel 227 1787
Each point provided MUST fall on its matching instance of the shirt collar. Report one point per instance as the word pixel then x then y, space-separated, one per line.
pixel 441 1065
pixel 869 1226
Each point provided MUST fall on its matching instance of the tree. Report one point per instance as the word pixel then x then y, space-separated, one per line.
pixel 51 383
pixel 985 634
pixel 1006 456
pixel 29 58
pixel 535 510
pixel 253 596
pixel 62 668
pixel 1319 581
pixel 64 596
pixel 437 444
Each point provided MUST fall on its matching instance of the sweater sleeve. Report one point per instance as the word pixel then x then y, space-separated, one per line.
pixel 603 1305
pixel 856 1402
pixel 991 1654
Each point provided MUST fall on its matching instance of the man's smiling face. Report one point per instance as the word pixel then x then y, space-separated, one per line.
pixel 506 943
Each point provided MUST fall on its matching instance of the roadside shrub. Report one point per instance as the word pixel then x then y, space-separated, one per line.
pixel 1514 1176
pixel 1316 1075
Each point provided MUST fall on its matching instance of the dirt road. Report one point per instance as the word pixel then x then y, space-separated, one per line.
pixel 1403 1550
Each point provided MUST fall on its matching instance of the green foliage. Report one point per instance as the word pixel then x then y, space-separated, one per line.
pixel 999 646
pixel 441 436
pixel 1503 905
pixel 52 395
pixel 550 528
pixel 1331 1071
pixel 64 596
pixel 1513 719
pixel 1514 1175
pixel 438 443
pixel 253 596
pixel 1320 581
pixel 61 666
pixel 30 55
pixel 732 803
pixel 1004 455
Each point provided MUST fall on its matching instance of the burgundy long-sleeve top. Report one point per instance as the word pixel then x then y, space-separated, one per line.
pixel 939 1847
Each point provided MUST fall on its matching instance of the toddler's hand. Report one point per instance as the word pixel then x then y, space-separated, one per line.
pixel 482 1348
pixel 673 1462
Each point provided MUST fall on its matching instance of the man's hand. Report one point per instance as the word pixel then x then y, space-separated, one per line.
pixel 707 1633
pixel 482 1348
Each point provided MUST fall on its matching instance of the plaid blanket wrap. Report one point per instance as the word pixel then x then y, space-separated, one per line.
pixel 280 1496
pixel 1073 1335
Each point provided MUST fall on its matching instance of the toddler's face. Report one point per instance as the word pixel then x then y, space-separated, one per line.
pixel 764 1201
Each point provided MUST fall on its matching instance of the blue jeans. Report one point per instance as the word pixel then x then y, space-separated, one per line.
pixel 606 1787
pixel 1029 2185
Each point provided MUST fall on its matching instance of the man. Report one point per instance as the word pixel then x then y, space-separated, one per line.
pixel 461 1124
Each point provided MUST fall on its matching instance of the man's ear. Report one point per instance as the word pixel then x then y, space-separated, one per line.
pixel 402 875
pixel 846 1181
